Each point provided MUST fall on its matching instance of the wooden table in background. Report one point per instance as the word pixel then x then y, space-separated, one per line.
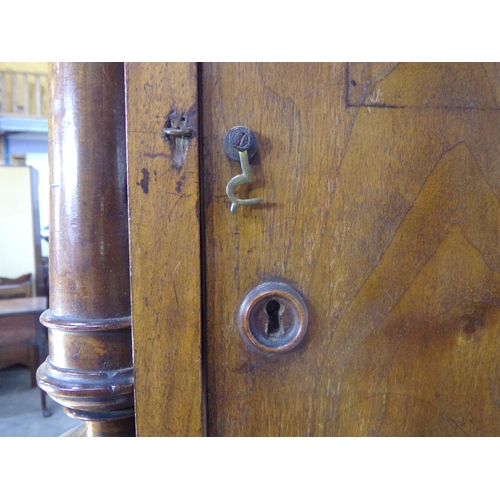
pixel 31 306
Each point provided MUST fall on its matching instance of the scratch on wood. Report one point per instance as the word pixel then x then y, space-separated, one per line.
pixel 175 294
pixel 147 88
pixel 175 269
pixel 152 155
pixel 170 219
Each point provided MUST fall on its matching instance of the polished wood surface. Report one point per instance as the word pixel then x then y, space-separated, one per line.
pixel 89 369
pixel 165 248
pixel 381 188
pixel 23 305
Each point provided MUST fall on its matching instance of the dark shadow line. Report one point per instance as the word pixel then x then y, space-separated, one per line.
pixel 394 106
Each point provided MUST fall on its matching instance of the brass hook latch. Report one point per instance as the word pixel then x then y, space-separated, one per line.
pixel 240 144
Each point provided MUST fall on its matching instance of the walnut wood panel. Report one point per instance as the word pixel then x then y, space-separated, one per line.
pixel 381 207
pixel 165 248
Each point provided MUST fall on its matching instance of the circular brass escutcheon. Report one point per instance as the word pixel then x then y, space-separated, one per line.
pixel 273 317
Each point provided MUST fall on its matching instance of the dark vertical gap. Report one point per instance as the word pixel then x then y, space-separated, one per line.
pixel 203 257
pixel 126 90
pixel 35 204
pixel 347 76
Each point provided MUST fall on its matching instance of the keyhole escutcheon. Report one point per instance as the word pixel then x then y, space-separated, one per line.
pixel 273 318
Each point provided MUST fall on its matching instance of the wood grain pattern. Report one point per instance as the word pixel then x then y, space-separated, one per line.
pixel 165 249
pixel 383 211
pixel 430 85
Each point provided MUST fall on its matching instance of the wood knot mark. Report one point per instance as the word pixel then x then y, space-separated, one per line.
pixel 144 181
pixel 472 323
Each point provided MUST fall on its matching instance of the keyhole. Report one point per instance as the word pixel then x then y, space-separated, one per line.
pixel 273 313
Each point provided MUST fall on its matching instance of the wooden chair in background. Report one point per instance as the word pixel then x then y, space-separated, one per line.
pixel 13 288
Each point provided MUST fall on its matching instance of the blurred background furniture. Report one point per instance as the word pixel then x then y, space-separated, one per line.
pixel 23 339
pixel 12 288
pixel 23 199
pixel 20 239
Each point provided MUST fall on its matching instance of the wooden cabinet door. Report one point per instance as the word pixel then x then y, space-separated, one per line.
pixel 381 187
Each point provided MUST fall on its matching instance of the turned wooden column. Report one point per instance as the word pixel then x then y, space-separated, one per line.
pixel 89 369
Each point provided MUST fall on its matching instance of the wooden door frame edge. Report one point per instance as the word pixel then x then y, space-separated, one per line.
pixel 165 251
